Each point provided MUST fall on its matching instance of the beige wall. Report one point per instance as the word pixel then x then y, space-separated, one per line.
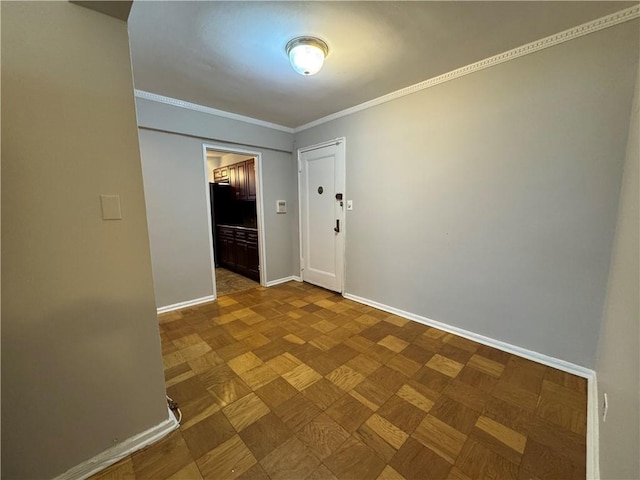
pixel 81 359
pixel 618 367
pixel 489 202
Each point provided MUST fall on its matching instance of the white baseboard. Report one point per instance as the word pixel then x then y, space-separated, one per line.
pixel 283 280
pixel 188 303
pixel 120 451
pixel 593 464
pixel 506 347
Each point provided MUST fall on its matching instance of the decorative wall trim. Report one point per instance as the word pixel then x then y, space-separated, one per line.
pixel 575 32
pixel 476 337
pixel 273 283
pixel 188 303
pixel 120 451
pixel 154 97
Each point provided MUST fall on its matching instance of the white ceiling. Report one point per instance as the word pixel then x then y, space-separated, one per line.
pixel 230 55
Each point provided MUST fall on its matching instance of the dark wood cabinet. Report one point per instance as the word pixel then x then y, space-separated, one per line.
pixel 250 166
pixel 242 178
pixel 241 181
pixel 253 259
pixel 238 250
pixel 242 259
pixel 221 175
pixel 237 247
pixel 233 177
pixel 226 246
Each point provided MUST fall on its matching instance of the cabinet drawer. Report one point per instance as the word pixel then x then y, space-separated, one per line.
pixel 252 237
pixel 226 233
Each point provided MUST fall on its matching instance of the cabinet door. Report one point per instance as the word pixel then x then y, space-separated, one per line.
pixel 241 252
pixel 233 179
pixel 242 181
pixel 251 179
pixel 221 175
pixel 227 247
pixel 253 259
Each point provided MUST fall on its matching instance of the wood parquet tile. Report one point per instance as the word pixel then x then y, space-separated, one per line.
pixel 295 382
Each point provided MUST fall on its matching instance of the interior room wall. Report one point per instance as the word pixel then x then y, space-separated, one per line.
pixel 212 164
pixel 175 194
pixel 618 367
pixel 489 202
pixel 81 358
pixel 177 213
pixel 170 118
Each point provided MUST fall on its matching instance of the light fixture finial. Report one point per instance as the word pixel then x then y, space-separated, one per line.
pixel 307 54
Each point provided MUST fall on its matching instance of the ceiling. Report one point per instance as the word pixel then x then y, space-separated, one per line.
pixel 230 55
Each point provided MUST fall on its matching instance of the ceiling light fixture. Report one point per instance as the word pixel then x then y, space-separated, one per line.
pixel 306 54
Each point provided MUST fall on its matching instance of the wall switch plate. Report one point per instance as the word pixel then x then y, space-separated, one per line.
pixel 349 204
pixel 281 206
pixel 110 207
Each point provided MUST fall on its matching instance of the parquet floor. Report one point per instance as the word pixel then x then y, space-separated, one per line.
pixel 230 282
pixel 295 382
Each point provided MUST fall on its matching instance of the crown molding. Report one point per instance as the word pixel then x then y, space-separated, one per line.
pixel 561 37
pixel 575 32
pixel 154 97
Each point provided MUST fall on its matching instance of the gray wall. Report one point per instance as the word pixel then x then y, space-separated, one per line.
pixel 175 194
pixel 489 202
pixel 81 359
pixel 618 367
pixel 175 191
pixel 180 120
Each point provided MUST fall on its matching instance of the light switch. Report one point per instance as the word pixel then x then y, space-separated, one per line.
pixel 281 206
pixel 110 207
pixel 349 204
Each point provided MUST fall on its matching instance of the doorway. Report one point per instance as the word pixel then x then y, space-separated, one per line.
pixel 234 208
pixel 321 183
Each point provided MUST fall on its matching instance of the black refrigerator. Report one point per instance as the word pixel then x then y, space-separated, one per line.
pixel 222 211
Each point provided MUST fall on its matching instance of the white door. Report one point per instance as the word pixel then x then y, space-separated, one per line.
pixel 322 180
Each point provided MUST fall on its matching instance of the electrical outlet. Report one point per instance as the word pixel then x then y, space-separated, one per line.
pixel 605 408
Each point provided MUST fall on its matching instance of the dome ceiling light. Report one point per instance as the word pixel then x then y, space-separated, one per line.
pixel 306 54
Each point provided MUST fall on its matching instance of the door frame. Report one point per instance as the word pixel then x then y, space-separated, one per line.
pixel 262 256
pixel 343 256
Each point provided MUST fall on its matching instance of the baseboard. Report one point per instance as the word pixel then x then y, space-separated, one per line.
pixel 593 463
pixel 120 451
pixel 506 347
pixel 593 430
pixel 283 280
pixel 188 303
